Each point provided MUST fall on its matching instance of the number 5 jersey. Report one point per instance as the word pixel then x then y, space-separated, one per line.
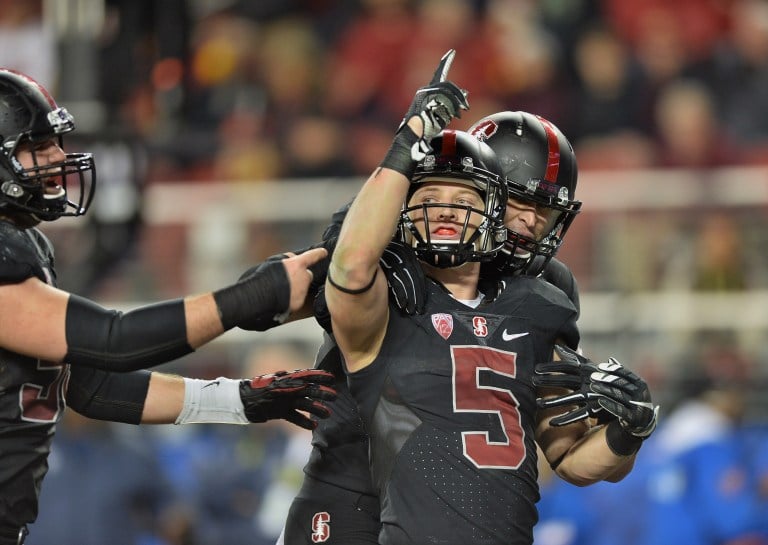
pixel 450 409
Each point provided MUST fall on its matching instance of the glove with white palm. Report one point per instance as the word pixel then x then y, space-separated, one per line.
pixel 572 372
pixel 435 104
pixel 597 389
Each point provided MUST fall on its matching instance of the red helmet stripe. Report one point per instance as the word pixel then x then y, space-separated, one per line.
pixel 449 144
pixel 33 82
pixel 553 151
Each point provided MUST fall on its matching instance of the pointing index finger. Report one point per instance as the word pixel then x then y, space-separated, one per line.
pixel 441 74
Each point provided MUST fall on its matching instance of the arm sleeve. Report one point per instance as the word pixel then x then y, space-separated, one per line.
pixel 117 397
pixel 111 340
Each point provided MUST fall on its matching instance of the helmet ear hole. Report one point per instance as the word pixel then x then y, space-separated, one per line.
pixel 29 116
pixel 458 158
pixel 538 165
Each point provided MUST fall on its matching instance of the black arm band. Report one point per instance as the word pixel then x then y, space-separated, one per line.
pixel 266 292
pixel 117 397
pixel 358 291
pixel 399 155
pixel 554 465
pixel 620 441
pixel 111 340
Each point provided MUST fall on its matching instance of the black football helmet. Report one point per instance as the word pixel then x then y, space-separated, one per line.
pixel 28 114
pixel 539 166
pixel 458 157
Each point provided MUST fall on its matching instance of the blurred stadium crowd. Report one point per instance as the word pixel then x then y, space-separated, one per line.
pixel 190 94
pixel 245 90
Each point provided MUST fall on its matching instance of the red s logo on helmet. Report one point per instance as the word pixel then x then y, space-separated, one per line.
pixel 485 130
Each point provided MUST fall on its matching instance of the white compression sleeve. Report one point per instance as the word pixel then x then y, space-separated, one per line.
pixel 212 401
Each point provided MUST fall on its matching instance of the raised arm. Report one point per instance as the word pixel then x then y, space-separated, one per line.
pixel 356 293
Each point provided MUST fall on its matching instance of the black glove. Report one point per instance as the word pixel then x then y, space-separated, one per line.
pixel 436 104
pixel 608 387
pixel 263 322
pixel 573 372
pixel 284 394
pixel 405 277
pixel 626 396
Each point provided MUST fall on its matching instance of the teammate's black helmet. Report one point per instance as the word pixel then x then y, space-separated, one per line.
pixel 539 166
pixel 28 113
pixel 457 157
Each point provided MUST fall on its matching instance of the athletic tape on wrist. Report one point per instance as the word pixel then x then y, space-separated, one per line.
pixel 212 401
pixel 399 156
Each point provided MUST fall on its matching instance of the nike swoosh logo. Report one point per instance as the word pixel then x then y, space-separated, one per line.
pixel 212 383
pixel 646 404
pixel 512 336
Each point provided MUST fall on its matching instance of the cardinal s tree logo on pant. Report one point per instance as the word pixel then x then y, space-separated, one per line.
pixel 321 528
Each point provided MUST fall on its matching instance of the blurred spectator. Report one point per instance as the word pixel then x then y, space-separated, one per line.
pixel 700 22
pixel 758 447
pixel 316 146
pixel 224 132
pixel 27 42
pixel 240 481
pixel 688 130
pixel 368 54
pixel 714 256
pixel 721 258
pixel 739 78
pixel 102 487
pixel 294 64
pixel 440 25
pixel 114 224
pixel 292 68
pixel 609 88
pixel 142 46
pixel 525 68
pixel 702 464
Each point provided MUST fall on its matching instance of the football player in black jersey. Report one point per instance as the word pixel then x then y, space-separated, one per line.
pixel 57 346
pixel 448 398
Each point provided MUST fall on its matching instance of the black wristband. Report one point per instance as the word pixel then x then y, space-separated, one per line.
pixel 265 292
pixel 620 441
pixel 399 157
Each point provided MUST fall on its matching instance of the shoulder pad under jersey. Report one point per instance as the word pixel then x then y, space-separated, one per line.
pixel 24 253
pixel 558 274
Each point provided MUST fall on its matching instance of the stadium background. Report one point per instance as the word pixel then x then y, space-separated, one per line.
pixel 226 131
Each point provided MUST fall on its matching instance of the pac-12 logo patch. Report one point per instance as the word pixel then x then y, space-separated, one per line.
pixel 443 324
pixel 321 527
